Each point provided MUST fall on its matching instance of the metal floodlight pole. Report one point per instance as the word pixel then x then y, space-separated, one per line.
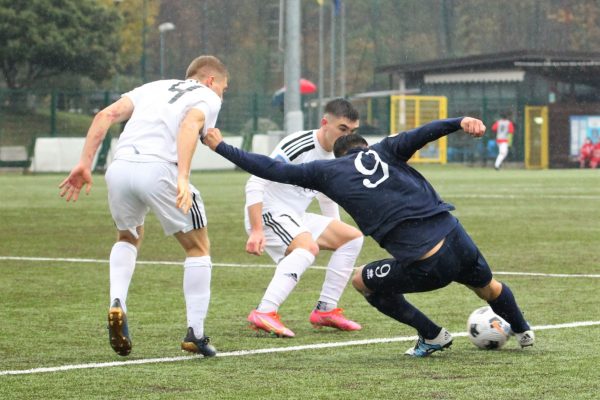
pixel 163 29
pixel 332 54
pixel 321 62
pixel 144 29
pixel 293 112
pixel 343 49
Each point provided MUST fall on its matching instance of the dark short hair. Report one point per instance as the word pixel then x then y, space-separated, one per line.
pixel 341 108
pixel 344 143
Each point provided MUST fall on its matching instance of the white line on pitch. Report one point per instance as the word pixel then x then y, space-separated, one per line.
pixel 525 196
pixel 262 351
pixel 139 262
pixel 233 265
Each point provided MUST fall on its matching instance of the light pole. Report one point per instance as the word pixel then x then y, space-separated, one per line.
pixel 144 28
pixel 294 119
pixel 163 28
pixel 117 3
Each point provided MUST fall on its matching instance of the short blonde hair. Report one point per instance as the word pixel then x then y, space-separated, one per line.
pixel 204 66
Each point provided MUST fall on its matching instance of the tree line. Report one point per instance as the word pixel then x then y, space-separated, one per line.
pixel 73 43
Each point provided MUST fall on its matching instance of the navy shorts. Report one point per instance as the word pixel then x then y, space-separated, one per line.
pixel 458 260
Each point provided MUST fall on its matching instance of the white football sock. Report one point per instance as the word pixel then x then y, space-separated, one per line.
pixel 288 273
pixel 502 153
pixel 196 289
pixel 122 265
pixel 338 273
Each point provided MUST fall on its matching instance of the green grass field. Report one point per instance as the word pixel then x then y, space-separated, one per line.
pixel 53 312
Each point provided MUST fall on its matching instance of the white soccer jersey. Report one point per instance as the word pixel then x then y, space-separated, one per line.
pixel 297 148
pixel 503 129
pixel 159 108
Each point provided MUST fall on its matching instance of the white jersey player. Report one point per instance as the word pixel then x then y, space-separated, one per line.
pixel 150 171
pixel 277 221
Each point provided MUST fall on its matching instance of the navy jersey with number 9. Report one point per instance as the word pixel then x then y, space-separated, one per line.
pixel 375 185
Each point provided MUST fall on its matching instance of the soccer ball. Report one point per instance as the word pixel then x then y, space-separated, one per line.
pixel 487 330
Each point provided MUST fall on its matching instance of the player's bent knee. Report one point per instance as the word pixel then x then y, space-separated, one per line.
pixel 314 249
pixel 195 243
pixel 489 292
pixel 304 241
pixel 357 281
pixel 355 233
pixel 127 236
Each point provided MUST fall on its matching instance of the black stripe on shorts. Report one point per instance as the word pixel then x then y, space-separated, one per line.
pixel 278 229
pixel 197 220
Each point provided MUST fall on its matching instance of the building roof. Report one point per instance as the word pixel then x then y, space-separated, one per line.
pixel 571 66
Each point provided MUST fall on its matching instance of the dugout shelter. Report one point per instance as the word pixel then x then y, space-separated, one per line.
pixel 553 98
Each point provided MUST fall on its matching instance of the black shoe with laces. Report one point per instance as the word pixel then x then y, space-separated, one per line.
pixel 200 346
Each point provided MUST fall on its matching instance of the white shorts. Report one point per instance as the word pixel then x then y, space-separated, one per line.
pixel 134 188
pixel 281 229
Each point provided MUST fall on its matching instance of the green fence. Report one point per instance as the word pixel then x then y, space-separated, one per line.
pixel 462 148
pixel 27 114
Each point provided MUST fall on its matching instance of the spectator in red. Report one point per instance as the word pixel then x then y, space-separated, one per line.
pixel 504 130
pixel 585 153
pixel 595 160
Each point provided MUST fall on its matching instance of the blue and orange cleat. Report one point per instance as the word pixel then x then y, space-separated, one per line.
pixel 426 347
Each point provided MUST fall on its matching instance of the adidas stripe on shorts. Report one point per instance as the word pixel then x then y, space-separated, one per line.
pixel 281 228
pixel 134 188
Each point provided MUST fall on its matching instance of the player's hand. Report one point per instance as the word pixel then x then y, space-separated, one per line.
pixel 184 197
pixel 71 186
pixel 473 126
pixel 212 138
pixel 256 243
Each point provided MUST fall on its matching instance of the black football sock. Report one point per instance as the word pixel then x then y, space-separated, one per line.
pixel 394 305
pixel 506 306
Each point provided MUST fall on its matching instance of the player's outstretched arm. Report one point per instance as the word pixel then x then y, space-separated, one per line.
pixel 407 143
pixel 259 165
pixel 81 174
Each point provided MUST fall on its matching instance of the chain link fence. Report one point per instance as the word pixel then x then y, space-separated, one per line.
pixel 28 114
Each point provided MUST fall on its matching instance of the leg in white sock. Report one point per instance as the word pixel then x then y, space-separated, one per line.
pixel 288 273
pixel 339 269
pixel 122 264
pixel 502 153
pixel 196 289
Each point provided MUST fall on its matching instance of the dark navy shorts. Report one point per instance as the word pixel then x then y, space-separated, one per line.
pixel 458 260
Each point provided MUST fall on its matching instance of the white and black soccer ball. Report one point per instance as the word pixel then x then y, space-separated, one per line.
pixel 487 330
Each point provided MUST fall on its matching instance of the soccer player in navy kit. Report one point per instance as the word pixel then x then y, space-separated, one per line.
pixel 396 205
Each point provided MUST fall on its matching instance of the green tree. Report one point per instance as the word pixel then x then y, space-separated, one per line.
pixel 44 38
pixel 131 33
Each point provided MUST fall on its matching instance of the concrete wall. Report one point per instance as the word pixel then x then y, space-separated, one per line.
pixel 56 154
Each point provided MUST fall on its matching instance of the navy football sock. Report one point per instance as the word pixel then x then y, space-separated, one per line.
pixel 394 305
pixel 506 306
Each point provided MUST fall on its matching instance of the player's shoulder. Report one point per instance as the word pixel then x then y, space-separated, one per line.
pixel 300 135
pixel 296 144
pixel 152 89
